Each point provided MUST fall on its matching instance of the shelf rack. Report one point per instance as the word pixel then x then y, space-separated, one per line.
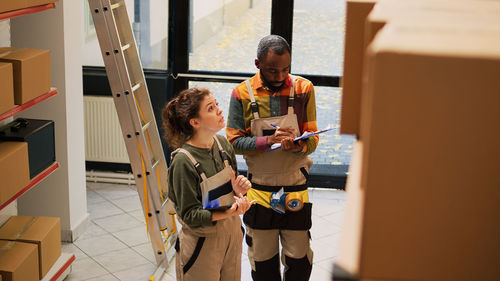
pixel 26 11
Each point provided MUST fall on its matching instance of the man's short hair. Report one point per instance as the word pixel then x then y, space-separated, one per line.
pixel 275 43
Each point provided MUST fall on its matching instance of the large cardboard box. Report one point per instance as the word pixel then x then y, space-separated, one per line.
pixel 20 4
pixel 18 261
pixel 428 12
pixel 45 232
pixel 14 169
pixel 6 87
pixel 365 18
pixel 356 13
pixel 31 71
pixel 429 184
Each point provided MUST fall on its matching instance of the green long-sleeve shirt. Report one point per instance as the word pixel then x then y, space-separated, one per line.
pixel 184 181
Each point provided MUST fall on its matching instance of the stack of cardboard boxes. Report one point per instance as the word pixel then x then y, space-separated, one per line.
pixel 26 74
pixel 423 186
pixel 29 247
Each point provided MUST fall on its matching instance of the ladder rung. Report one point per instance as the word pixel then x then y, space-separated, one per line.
pixel 136 86
pixel 156 164
pixel 146 126
pixel 125 47
pixel 114 6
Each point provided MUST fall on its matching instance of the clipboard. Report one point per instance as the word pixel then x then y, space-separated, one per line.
pixel 304 136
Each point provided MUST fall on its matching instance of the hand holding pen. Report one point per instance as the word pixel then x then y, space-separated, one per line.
pixel 281 133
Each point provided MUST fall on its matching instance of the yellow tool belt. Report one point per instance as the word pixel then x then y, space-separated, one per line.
pixel 262 193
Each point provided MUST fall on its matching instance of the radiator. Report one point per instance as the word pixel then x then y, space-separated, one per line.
pixel 103 135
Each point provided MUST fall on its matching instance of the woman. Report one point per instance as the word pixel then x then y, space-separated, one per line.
pixel 203 183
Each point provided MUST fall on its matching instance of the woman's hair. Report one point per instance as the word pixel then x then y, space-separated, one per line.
pixel 177 113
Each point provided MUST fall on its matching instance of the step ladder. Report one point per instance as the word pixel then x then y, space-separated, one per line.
pixel 138 124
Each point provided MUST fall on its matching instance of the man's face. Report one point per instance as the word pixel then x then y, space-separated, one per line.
pixel 274 68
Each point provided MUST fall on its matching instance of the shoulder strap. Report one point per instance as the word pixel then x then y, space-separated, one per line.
pixel 222 152
pixel 291 96
pixel 196 164
pixel 253 103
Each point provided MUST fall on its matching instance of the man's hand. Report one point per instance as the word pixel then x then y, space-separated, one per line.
pixel 281 134
pixel 289 145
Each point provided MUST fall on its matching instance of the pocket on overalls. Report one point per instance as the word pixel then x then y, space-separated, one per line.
pixel 194 254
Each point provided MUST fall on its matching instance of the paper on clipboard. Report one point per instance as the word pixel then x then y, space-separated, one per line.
pixel 305 135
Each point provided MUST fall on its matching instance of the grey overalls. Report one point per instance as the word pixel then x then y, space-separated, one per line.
pixel 211 252
pixel 269 172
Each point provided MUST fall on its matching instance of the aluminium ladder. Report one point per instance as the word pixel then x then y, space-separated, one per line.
pixel 138 124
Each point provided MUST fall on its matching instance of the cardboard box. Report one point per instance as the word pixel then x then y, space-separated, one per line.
pixel 31 72
pixel 14 169
pixel 350 246
pixel 365 18
pixel 6 87
pixel 356 13
pixel 20 4
pixel 427 12
pixel 18 261
pixel 45 232
pixel 429 183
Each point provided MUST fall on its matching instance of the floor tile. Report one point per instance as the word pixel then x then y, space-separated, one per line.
pixel 114 191
pixel 329 194
pixel 93 230
pixel 128 204
pixel 322 207
pixel 107 277
pixel 139 215
pixel 119 260
pixel 141 272
pixel 94 197
pixel 83 269
pixel 321 227
pixel 72 249
pixel 133 237
pixel 145 250
pixel 102 210
pixel 326 264
pixel 324 248
pixel 99 245
pixel 118 222
pixel 320 274
pixel 336 218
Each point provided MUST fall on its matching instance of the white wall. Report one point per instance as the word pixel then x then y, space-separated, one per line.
pixel 62 194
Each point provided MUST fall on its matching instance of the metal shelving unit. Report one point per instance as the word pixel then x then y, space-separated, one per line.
pixel 62 266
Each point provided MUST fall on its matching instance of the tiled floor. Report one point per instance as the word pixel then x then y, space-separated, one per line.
pixel 115 245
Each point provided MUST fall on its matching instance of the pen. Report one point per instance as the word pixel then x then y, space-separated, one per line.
pixel 275 126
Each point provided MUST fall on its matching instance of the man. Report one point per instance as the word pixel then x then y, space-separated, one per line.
pixel 273 107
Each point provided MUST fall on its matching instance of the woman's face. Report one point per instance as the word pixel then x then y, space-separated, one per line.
pixel 210 115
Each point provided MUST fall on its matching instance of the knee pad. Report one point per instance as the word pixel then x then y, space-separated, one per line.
pixel 297 269
pixel 268 270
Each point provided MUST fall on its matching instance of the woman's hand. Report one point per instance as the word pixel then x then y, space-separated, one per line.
pixel 240 184
pixel 239 207
pixel 242 204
